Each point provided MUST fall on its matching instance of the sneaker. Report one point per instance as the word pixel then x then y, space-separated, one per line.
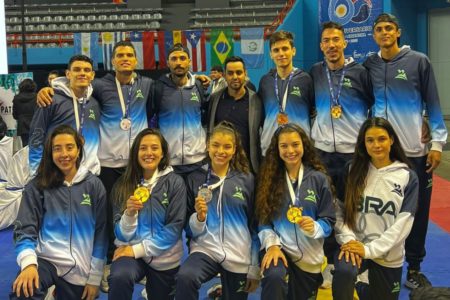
pixel 416 279
pixel 215 292
pixel 327 277
pixel 104 286
pixel 363 277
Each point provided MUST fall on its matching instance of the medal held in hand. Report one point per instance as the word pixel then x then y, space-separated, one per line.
pixel 294 214
pixel 142 194
pixel 125 124
pixel 336 111
pixel 205 193
pixel 282 118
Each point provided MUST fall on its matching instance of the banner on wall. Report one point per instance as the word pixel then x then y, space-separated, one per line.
pixel 144 44
pixel 357 17
pixel 252 47
pixel 221 45
pixel 9 87
pixel 86 43
pixel 195 42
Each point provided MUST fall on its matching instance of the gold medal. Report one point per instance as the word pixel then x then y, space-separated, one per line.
pixel 142 194
pixel 282 119
pixel 294 214
pixel 336 111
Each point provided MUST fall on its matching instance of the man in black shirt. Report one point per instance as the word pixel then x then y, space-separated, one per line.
pixel 238 105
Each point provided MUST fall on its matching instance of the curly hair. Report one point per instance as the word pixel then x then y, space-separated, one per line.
pixel 271 180
pixel 239 161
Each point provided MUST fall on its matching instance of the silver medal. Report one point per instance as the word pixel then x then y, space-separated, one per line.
pixel 125 124
pixel 205 193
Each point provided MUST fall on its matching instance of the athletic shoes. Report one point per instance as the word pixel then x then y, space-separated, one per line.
pixel 104 286
pixel 416 279
pixel 215 292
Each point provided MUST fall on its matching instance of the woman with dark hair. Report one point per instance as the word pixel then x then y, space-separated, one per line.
pixel 222 233
pixel 149 213
pixel 294 207
pixel 375 215
pixel 60 230
pixel 24 105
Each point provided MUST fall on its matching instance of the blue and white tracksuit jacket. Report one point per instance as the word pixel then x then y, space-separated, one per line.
pixel 115 143
pixel 155 232
pixel 403 88
pixel 299 103
pixel 61 112
pixel 356 98
pixel 385 215
pixel 65 226
pixel 180 121
pixel 305 250
pixel 228 235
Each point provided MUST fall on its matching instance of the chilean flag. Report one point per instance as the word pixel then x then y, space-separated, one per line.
pixel 195 42
pixel 144 44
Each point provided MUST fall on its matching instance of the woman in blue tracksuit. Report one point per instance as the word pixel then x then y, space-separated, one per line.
pixel 222 234
pixel 60 231
pixel 292 179
pixel 375 215
pixel 148 229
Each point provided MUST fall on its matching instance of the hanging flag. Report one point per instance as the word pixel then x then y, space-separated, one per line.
pixel 221 45
pixel 86 43
pixel 252 47
pixel 109 39
pixel 144 44
pixel 162 63
pixel 168 41
pixel 195 42
pixel 179 37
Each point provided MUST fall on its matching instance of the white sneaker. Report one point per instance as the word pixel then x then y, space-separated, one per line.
pixel 50 291
pixel 104 286
pixel 144 294
pixel 363 277
pixel 327 277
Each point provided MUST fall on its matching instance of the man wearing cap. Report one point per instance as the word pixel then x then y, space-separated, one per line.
pixel 179 107
pixel 404 87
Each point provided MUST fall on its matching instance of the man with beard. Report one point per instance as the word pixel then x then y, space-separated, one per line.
pixel 240 106
pixel 343 97
pixel 179 107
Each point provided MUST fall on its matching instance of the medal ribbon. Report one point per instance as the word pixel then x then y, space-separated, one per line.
pixel 335 98
pixel 152 182
pixel 78 121
pixel 125 108
pixel 295 196
pixel 282 103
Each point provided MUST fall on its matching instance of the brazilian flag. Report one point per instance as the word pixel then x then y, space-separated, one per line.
pixel 221 42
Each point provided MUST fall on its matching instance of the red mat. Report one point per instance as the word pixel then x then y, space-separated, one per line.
pixel 440 203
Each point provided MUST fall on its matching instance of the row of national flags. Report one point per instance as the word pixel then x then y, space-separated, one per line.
pixel 221 44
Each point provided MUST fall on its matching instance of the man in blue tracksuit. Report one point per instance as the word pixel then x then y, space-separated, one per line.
pixel 178 106
pixel 73 105
pixel 286 92
pixel 343 96
pixel 404 86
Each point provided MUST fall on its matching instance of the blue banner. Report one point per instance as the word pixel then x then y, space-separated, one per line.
pixel 357 17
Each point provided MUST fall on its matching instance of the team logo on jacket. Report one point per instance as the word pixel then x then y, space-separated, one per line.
pixel 86 200
pixel 311 196
pixel 377 206
pixel 139 94
pixel 238 194
pixel 397 190
pixel 347 83
pixel 296 91
pixel 165 200
pixel 396 288
pixel 91 114
pixel 194 97
pixel 401 75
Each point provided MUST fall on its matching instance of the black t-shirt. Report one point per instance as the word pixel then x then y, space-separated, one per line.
pixel 235 112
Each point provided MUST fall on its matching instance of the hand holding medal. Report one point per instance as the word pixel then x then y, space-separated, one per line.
pixel 201 207
pixel 142 194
